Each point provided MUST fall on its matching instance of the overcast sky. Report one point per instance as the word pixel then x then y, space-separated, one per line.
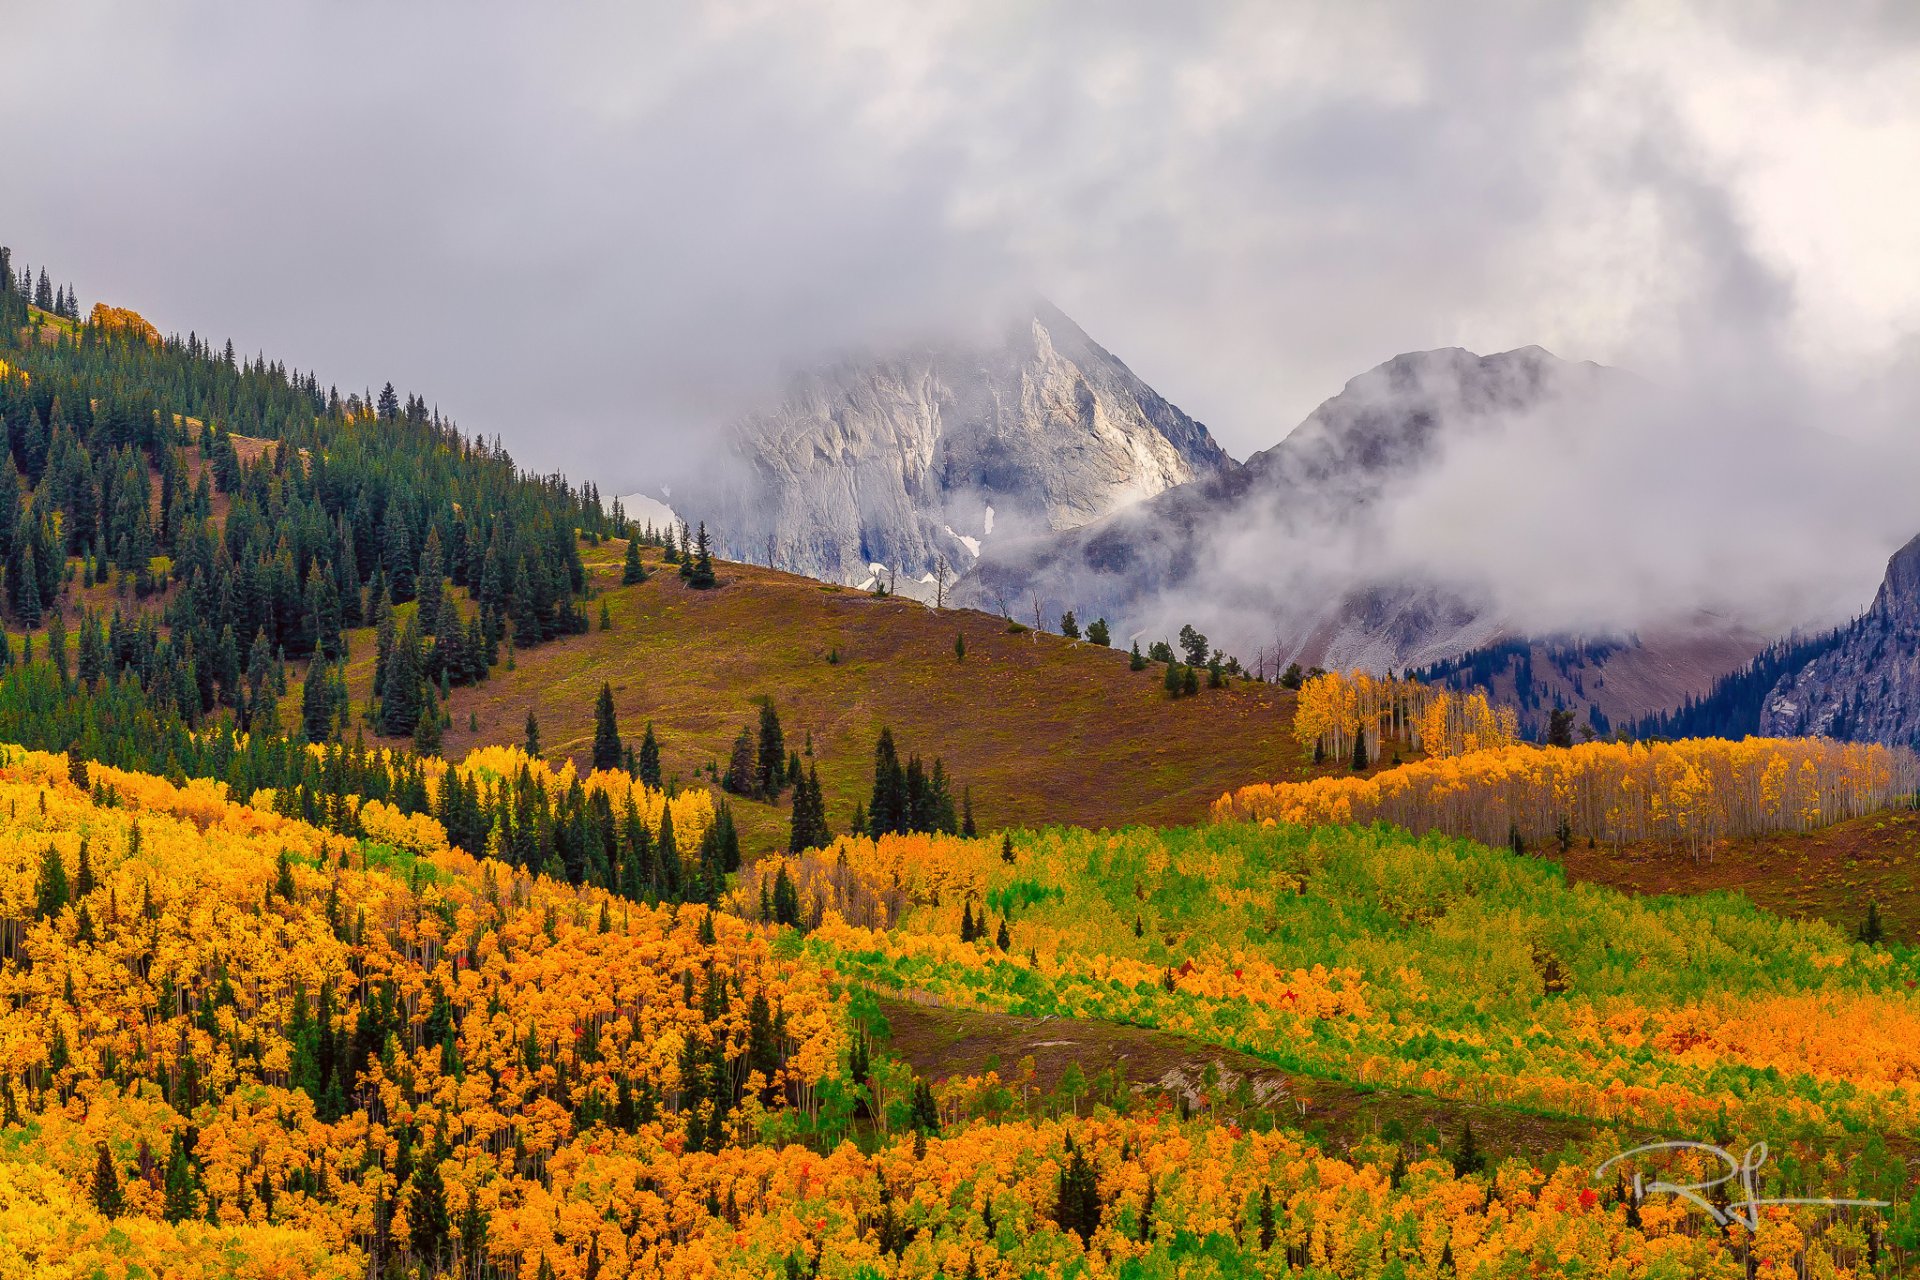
pixel 593 229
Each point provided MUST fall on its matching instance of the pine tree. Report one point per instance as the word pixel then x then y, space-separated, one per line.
pixel 1467 1158
pixel 532 743
pixel 180 1186
pixel 649 764
pixel 966 814
pixel 1069 625
pixel 772 754
pixel 887 810
pixel 742 774
pixel 1359 750
pixel 1872 932
pixel 959 647
pixel 1136 661
pixel 51 893
pixel 1173 680
pixel 786 899
pixel 106 1194
pixel 701 577
pixel 1097 633
pixel 633 571
pixel 607 748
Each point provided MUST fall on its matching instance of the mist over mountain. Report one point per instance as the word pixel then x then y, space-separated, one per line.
pixel 1296 554
pixel 911 462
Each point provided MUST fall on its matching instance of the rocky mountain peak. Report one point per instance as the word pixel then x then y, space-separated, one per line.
pixel 913 459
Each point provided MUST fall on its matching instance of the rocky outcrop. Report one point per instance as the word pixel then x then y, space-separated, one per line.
pixel 1286 548
pixel 917 460
pixel 1866 686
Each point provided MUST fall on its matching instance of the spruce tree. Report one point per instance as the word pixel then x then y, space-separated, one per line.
pixel 1097 633
pixel 1872 932
pixel 607 748
pixel 1359 750
pixel 51 891
pixel 532 742
pixel 633 571
pixel 742 776
pixel 701 576
pixel 887 810
pixel 772 753
pixel 649 763
pixel 1136 661
pixel 106 1194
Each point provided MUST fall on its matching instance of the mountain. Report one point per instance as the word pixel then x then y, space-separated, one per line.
pixel 1863 684
pixel 1287 550
pixel 916 459
pixel 1604 682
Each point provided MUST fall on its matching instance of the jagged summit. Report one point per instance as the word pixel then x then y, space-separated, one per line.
pixel 915 458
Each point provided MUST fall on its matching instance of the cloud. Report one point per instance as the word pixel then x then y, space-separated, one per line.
pixel 597 230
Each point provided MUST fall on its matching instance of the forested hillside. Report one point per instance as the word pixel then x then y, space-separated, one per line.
pixel 180 524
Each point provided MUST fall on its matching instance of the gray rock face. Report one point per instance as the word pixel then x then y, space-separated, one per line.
pixel 1291 537
pixel 1867 687
pixel 914 460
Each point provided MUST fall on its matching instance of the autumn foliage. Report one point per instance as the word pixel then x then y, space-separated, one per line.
pixel 118 322
pixel 1334 709
pixel 1692 793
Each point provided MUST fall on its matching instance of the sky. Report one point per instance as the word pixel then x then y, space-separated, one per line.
pixel 597 230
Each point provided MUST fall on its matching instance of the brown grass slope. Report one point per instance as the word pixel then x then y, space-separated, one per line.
pixel 1042 729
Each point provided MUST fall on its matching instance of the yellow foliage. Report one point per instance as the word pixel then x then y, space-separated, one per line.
pixel 1696 791
pixel 120 322
pixel 1333 708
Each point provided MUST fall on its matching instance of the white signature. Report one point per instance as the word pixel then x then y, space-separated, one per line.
pixel 1745 1170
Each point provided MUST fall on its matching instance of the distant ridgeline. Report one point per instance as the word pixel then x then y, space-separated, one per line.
pixel 1732 707
pixel 1511 662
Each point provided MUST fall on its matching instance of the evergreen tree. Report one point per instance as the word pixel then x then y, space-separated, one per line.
pixel 1069 626
pixel 887 810
pixel 1078 1207
pixel 180 1187
pixel 772 757
pixel 607 748
pixel 633 571
pixel 786 899
pixel 702 576
pixel 1173 680
pixel 650 758
pixel 1872 932
pixel 1467 1158
pixel 1097 633
pixel 106 1194
pixel 532 741
pixel 1194 645
pixel 1136 661
pixel 51 892
pixel 316 703
pixel 1359 750
pixel 742 776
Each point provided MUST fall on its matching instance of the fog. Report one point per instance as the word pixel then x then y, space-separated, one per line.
pixel 599 231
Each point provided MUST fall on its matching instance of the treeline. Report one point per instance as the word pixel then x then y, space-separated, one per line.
pixel 1731 707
